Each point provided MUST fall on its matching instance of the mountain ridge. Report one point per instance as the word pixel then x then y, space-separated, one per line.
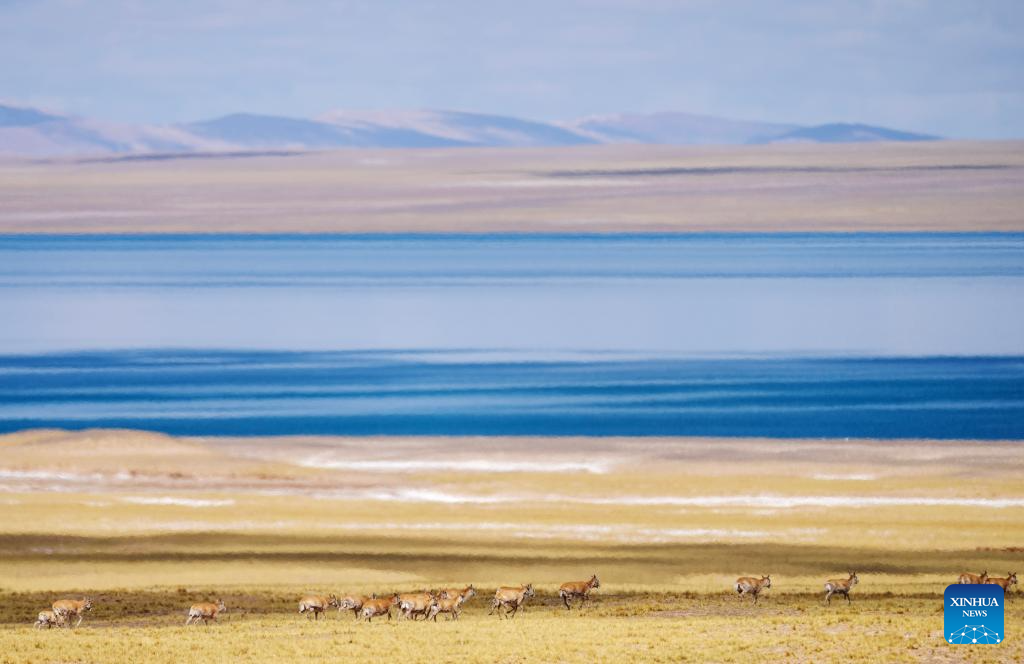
pixel 30 132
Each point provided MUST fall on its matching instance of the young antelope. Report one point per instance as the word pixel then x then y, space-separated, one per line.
pixel 205 612
pixel 447 604
pixel 511 599
pixel 411 605
pixel 968 578
pixel 47 619
pixel 840 587
pixel 353 603
pixel 451 593
pixel 65 609
pixel 1004 581
pixel 578 589
pixel 750 585
pixel 378 607
pixel 316 604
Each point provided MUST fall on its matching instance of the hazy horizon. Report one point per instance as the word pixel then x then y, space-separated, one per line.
pixel 942 68
pixel 660 296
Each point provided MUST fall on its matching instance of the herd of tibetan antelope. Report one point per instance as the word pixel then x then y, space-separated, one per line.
pixel 508 600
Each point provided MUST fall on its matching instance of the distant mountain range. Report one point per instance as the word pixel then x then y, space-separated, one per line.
pixel 34 133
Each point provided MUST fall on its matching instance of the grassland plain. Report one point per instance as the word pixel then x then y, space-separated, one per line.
pixel 894 187
pixel 147 525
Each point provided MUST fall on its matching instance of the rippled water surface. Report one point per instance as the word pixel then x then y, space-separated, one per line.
pixel 775 335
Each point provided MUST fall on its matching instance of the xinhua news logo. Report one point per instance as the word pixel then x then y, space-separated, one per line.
pixel 974 614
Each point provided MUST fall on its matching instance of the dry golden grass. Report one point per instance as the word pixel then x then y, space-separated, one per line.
pixel 786 628
pixel 934 186
pixel 126 518
pixel 656 627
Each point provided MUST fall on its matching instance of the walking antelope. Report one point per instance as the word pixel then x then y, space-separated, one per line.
pixel 450 601
pixel 67 608
pixel 205 612
pixel 968 578
pixel 581 589
pixel 452 605
pixel 1005 582
pixel 511 599
pixel 378 607
pixel 451 593
pixel 749 585
pixel 47 619
pixel 353 603
pixel 840 587
pixel 415 604
pixel 316 604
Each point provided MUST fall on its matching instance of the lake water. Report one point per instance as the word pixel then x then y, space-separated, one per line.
pixel 774 335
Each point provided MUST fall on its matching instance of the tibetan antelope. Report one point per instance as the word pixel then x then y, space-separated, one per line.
pixel 840 587
pixel 581 589
pixel 450 601
pixel 452 593
pixel 969 578
pixel 1005 582
pixel 511 599
pixel 69 608
pixel 452 605
pixel 749 585
pixel 411 605
pixel 353 603
pixel 205 612
pixel 378 607
pixel 47 619
pixel 316 604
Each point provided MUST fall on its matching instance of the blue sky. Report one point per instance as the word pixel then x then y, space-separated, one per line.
pixel 950 68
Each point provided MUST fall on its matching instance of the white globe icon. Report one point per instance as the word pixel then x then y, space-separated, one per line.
pixel 974 634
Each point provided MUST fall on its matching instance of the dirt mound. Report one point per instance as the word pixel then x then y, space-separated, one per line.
pixel 103 451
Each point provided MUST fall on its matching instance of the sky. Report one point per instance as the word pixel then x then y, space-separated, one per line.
pixel 952 68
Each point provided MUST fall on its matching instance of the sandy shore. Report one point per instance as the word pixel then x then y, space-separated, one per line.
pixel 141 458
pixel 933 186
pixel 625 490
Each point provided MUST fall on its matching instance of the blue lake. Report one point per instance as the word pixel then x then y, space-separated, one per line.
pixel 772 335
